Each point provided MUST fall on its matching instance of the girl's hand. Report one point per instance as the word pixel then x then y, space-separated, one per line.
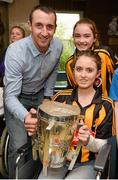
pixel 84 134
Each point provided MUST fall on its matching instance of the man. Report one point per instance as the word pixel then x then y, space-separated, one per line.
pixel 30 73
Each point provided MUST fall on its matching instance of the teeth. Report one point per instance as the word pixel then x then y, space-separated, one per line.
pixel 83 81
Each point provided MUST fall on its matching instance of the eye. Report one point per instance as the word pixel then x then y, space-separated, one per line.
pixel 39 25
pixel 18 34
pixel 89 70
pixel 87 35
pixel 78 69
pixel 50 27
pixel 76 35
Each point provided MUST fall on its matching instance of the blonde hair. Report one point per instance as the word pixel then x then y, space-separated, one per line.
pixel 20 28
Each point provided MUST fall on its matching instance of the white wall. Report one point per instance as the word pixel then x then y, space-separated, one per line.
pixel 19 11
pixel 14 12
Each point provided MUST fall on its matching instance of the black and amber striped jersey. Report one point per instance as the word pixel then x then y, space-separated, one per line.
pixel 107 70
pixel 99 117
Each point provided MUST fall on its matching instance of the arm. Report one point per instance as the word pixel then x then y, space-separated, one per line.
pixel 116 119
pixel 92 144
pixel 13 86
pixel 95 144
pixel 13 83
pixel 105 128
pixel 106 121
pixel 114 96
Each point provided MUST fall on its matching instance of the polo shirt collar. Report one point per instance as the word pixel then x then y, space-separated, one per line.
pixel 96 99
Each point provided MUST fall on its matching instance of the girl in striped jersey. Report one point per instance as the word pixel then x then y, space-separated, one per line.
pixel 98 112
pixel 85 36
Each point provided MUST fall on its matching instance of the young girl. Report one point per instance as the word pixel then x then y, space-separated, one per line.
pixel 85 36
pixel 98 113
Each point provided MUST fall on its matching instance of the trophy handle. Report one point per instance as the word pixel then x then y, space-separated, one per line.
pixel 35 141
pixel 46 147
pixel 79 145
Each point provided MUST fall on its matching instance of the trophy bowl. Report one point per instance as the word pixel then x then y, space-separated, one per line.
pixel 55 132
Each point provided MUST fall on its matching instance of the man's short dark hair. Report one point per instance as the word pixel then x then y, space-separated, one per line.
pixel 45 9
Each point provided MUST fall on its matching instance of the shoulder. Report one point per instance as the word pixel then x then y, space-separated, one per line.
pixel 69 60
pixel 22 48
pixel 103 51
pixel 17 53
pixel 20 44
pixel 115 78
pixel 116 72
pixel 106 50
pixel 62 94
pixel 56 42
pixel 107 101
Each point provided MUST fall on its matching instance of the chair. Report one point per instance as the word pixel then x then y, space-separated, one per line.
pixel 61 81
pixel 29 169
pixel 105 163
pixel 4 142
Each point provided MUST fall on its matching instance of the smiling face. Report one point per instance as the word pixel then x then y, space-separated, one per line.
pixel 85 72
pixel 15 34
pixel 83 36
pixel 42 29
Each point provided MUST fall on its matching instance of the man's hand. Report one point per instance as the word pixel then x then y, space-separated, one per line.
pixel 45 100
pixel 31 122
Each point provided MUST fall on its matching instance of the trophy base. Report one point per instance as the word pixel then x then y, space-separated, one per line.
pixel 56 165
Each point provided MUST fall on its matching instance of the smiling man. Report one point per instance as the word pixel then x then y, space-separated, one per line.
pixel 30 73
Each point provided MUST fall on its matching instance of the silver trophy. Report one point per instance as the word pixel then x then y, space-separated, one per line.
pixel 55 132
